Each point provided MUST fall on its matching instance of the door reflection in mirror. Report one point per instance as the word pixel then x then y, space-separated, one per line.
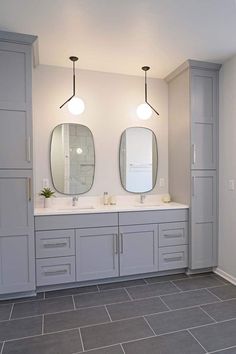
pixel 138 160
pixel 72 158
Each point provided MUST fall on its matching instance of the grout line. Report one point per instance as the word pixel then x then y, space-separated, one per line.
pixel 2 347
pixel 207 314
pixel 165 304
pixel 108 313
pixel 196 340
pixel 172 282
pixel 43 324
pixel 220 350
pixel 81 339
pixel 130 297
pixel 149 325
pixel 73 302
pixel 122 348
pixel 209 291
pixel 11 312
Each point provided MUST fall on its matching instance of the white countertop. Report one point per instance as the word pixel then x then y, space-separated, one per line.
pixel 93 209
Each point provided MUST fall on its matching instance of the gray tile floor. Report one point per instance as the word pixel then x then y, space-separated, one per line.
pixel 161 315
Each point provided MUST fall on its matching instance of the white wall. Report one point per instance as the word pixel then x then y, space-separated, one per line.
pixel 227 168
pixel 111 101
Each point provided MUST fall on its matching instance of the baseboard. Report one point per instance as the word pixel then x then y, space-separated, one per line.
pixel 225 275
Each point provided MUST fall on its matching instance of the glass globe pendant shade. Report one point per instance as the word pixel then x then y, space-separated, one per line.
pixel 144 112
pixel 76 106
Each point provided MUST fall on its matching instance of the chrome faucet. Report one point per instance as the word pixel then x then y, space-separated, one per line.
pixel 75 200
pixel 142 198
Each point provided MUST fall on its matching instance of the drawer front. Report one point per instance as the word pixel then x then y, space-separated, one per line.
pixel 55 243
pixel 152 217
pixel 55 270
pixel 76 221
pixel 173 257
pixel 173 234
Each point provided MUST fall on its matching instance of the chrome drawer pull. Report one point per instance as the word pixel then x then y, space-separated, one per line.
pixel 173 259
pixel 55 272
pixel 194 153
pixel 173 235
pixel 29 149
pixel 121 244
pixel 52 245
pixel 115 243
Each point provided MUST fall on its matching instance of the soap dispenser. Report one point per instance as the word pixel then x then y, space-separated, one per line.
pixel 105 198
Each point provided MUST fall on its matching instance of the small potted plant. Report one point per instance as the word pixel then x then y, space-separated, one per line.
pixel 47 193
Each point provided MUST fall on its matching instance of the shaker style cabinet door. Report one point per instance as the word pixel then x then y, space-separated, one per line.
pixel 204 113
pixel 97 253
pixel 15 106
pixel 17 265
pixel 203 247
pixel 138 249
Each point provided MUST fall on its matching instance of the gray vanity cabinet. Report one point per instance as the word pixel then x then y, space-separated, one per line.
pixel 204 101
pixel 138 249
pixel 193 154
pixel 203 220
pixel 17 258
pixel 17 264
pixel 97 252
pixel 15 106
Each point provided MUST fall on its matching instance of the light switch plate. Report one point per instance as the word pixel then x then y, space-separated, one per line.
pixel 231 185
pixel 45 183
pixel 162 182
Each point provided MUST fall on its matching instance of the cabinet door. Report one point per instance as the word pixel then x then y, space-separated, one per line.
pixel 97 253
pixel 203 245
pixel 17 263
pixel 138 249
pixel 204 113
pixel 15 106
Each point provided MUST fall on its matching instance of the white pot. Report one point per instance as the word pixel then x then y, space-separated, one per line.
pixel 47 202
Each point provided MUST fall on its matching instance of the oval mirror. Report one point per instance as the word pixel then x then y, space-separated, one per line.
pixel 138 160
pixel 72 158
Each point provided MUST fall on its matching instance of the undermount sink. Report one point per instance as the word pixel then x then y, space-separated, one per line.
pixel 72 208
pixel 146 205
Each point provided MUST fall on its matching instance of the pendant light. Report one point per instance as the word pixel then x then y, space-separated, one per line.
pixel 75 104
pixel 145 110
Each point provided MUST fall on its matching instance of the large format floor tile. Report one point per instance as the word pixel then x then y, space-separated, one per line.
pixel 160 279
pixel 114 333
pixel 101 298
pixel 59 343
pixel 224 292
pixel 74 319
pixel 39 296
pixel 198 283
pixel 175 343
pixel 5 311
pixel 143 291
pixel 178 319
pixel 136 308
pixel 34 308
pixel 217 336
pixel 116 349
pixel 121 284
pixel 222 311
pixel 20 328
pixel 73 291
pixel 189 298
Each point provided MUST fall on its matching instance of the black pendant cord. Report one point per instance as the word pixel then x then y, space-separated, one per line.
pixel 145 69
pixel 73 59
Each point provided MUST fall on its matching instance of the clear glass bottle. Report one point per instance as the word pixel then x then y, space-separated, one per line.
pixel 105 198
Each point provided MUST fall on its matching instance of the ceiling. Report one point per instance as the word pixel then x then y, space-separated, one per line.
pixel 123 35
